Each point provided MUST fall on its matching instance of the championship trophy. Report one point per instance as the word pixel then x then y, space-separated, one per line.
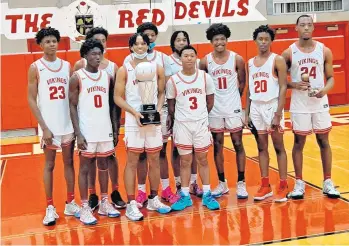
pixel 145 76
pixel 311 91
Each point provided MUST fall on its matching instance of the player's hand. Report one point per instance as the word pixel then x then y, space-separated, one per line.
pixel 247 123
pixel 275 123
pixel 321 93
pixel 169 122
pixel 81 142
pixel 303 86
pixel 138 117
pixel 47 136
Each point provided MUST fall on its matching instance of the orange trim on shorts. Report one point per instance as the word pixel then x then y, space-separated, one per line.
pixel 105 154
pixel 88 154
pixel 183 146
pixel 322 131
pixel 153 150
pixel 137 150
pixel 303 133
pixel 237 129
pixel 204 149
pixel 67 143
pixel 261 132
pixel 217 130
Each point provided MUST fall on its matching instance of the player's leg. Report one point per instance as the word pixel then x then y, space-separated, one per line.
pixel 176 165
pixel 166 193
pixel 302 126
pixel 202 140
pixel 93 199
pixel 142 173
pixel 105 151
pixel 153 146
pixel 113 169
pixel 194 188
pixel 50 156
pixel 135 146
pixel 87 161
pixel 217 129
pixel 234 126
pixel 322 126
pixel 68 143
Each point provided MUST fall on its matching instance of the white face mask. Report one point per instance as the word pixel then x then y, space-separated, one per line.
pixel 139 56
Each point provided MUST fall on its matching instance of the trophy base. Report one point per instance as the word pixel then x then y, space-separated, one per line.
pixel 151 116
pixel 313 91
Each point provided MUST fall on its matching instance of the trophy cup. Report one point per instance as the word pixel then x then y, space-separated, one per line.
pixel 312 91
pixel 145 74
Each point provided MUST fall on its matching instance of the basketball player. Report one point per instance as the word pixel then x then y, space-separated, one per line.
pixel 310 63
pixel 90 92
pixel 110 67
pixel 48 87
pixel 190 95
pixel 266 95
pixel 227 70
pixel 161 59
pixel 139 138
pixel 180 39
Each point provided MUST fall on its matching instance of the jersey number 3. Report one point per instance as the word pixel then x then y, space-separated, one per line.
pixel 57 92
pixel 194 102
pixel 260 86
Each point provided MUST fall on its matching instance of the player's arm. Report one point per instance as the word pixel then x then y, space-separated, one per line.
pixel 161 87
pixel 328 73
pixel 78 65
pixel 241 73
pixel 210 90
pixel 119 94
pixel 248 101
pixel 171 103
pixel 32 95
pixel 115 120
pixel 281 69
pixel 167 68
pixel 202 64
pixel 73 106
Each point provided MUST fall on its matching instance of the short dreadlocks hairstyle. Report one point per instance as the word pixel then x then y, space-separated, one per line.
pixel 90 44
pixel 216 29
pixel 264 28
pixel 147 26
pixel 174 36
pixel 133 39
pixel 47 31
pixel 97 30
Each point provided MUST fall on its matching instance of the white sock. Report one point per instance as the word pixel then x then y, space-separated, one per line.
pixel 185 191
pixel 165 183
pixel 141 187
pixel 193 178
pixel 206 188
pixel 178 180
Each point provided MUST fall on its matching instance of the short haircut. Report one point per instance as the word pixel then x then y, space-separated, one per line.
pixel 264 28
pixel 147 26
pixel 216 29
pixel 305 16
pixel 90 44
pixel 97 30
pixel 174 36
pixel 188 47
pixel 133 39
pixel 45 32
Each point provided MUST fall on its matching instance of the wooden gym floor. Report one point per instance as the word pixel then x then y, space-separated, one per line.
pixel 314 220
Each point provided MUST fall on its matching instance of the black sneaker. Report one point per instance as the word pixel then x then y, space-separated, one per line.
pixel 93 201
pixel 117 200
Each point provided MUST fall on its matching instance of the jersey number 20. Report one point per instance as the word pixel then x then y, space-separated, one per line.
pixel 260 86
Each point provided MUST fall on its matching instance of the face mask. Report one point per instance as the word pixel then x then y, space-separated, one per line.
pixel 139 56
pixel 151 46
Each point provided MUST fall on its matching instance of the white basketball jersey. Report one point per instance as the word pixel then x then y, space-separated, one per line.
pixel 110 69
pixel 176 64
pixel 227 102
pixel 190 97
pixel 313 64
pixel 93 107
pixel 133 95
pixel 263 84
pixel 53 95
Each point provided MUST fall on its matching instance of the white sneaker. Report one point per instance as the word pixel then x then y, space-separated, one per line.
pixel 106 209
pixel 330 190
pixel 51 216
pixel 155 205
pixel 86 216
pixel 72 209
pixel 132 211
pixel 221 189
pixel 241 191
pixel 298 190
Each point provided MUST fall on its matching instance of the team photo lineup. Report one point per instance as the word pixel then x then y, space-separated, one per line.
pixel 180 99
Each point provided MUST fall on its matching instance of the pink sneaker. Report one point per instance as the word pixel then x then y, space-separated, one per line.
pixel 141 199
pixel 195 190
pixel 168 196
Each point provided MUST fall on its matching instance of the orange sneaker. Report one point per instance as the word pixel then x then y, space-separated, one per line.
pixel 281 195
pixel 263 193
